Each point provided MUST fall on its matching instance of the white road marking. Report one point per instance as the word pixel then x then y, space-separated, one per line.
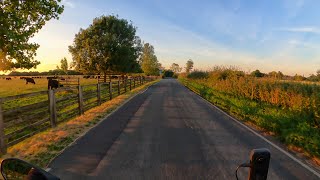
pixel 265 139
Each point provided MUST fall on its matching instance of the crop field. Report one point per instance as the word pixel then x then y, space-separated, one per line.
pixel 18 86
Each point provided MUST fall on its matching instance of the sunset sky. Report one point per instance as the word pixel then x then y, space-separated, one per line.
pixel 280 35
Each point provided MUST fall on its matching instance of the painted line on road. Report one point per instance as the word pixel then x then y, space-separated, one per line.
pixel 263 138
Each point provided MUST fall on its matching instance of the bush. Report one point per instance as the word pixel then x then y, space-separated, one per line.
pixel 175 76
pixel 198 75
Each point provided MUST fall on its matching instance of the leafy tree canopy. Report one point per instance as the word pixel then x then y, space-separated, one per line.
pixel 108 45
pixel 175 68
pixel 257 73
pixel 19 21
pixel 189 66
pixel 64 65
pixel 148 60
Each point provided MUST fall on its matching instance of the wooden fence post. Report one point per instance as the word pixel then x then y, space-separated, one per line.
pixel 130 84
pixel 110 89
pixel 52 108
pixel 99 93
pixel 3 146
pixel 134 83
pixel 125 85
pixel 80 100
pixel 118 87
pixel 140 81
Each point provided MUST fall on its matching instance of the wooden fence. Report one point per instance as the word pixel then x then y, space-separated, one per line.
pixel 24 115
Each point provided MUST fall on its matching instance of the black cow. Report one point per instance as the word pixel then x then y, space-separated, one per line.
pixel 8 78
pixel 53 84
pixel 30 80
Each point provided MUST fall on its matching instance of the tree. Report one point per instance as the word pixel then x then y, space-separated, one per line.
pixel 148 60
pixel 168 73
pixel 298 78
pixel 189 66
pixel 276 75
pixel 256 73
pixel 64 65
pixel 108 45
pixel 175 68
pixel 318 72
pixel 19 21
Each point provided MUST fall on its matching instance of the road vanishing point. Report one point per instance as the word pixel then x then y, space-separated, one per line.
pixel 169 132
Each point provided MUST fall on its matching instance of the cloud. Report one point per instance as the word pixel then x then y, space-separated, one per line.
pixel 306 29
pixel 68 3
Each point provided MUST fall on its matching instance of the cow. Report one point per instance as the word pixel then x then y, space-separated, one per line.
pixel 30 80
pixel 8 78
pixel 22 78
pixel 53 84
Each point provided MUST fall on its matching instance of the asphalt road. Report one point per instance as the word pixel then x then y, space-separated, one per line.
pixel 168 132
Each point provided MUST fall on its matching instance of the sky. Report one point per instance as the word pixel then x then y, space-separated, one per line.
pixel 269 35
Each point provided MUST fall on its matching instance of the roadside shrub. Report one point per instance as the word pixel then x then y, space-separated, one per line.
pixel 175 76
pixel 198 75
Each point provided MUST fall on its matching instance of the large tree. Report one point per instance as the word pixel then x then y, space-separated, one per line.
pixel 108 45
pixel 189 66
pixel 19 21
pixel 148 60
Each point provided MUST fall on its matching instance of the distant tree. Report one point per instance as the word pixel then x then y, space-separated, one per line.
pixel 318 72
pixel 256 73
pixel 108 45
pixel 313 78
pixel 276 75
pixel 175 68
pixel 299 78
pixel 19 21
pixel 64 65
pixel 189 66
pixel 148 60
pixel 168 73
pixel 272 74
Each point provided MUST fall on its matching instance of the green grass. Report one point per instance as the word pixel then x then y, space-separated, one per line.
pixel 291 127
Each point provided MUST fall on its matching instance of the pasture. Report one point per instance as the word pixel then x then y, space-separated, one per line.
pixel 18 86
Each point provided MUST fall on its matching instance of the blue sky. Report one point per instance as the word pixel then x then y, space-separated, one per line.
pixel 280 35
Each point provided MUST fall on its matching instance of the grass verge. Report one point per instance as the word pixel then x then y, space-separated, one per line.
pixel 41 148
pixel 290 127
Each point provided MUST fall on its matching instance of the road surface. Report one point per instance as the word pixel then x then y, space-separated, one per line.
pixel 168 132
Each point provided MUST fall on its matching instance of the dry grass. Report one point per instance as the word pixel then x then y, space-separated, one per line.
pixel 43 147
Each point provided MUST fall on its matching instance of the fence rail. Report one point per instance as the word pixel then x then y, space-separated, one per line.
pixel 24 115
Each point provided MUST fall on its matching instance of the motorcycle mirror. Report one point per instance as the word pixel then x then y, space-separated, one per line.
pixel 13 168
pixel 259 164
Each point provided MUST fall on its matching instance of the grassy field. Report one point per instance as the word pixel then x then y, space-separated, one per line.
pixel 18 86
